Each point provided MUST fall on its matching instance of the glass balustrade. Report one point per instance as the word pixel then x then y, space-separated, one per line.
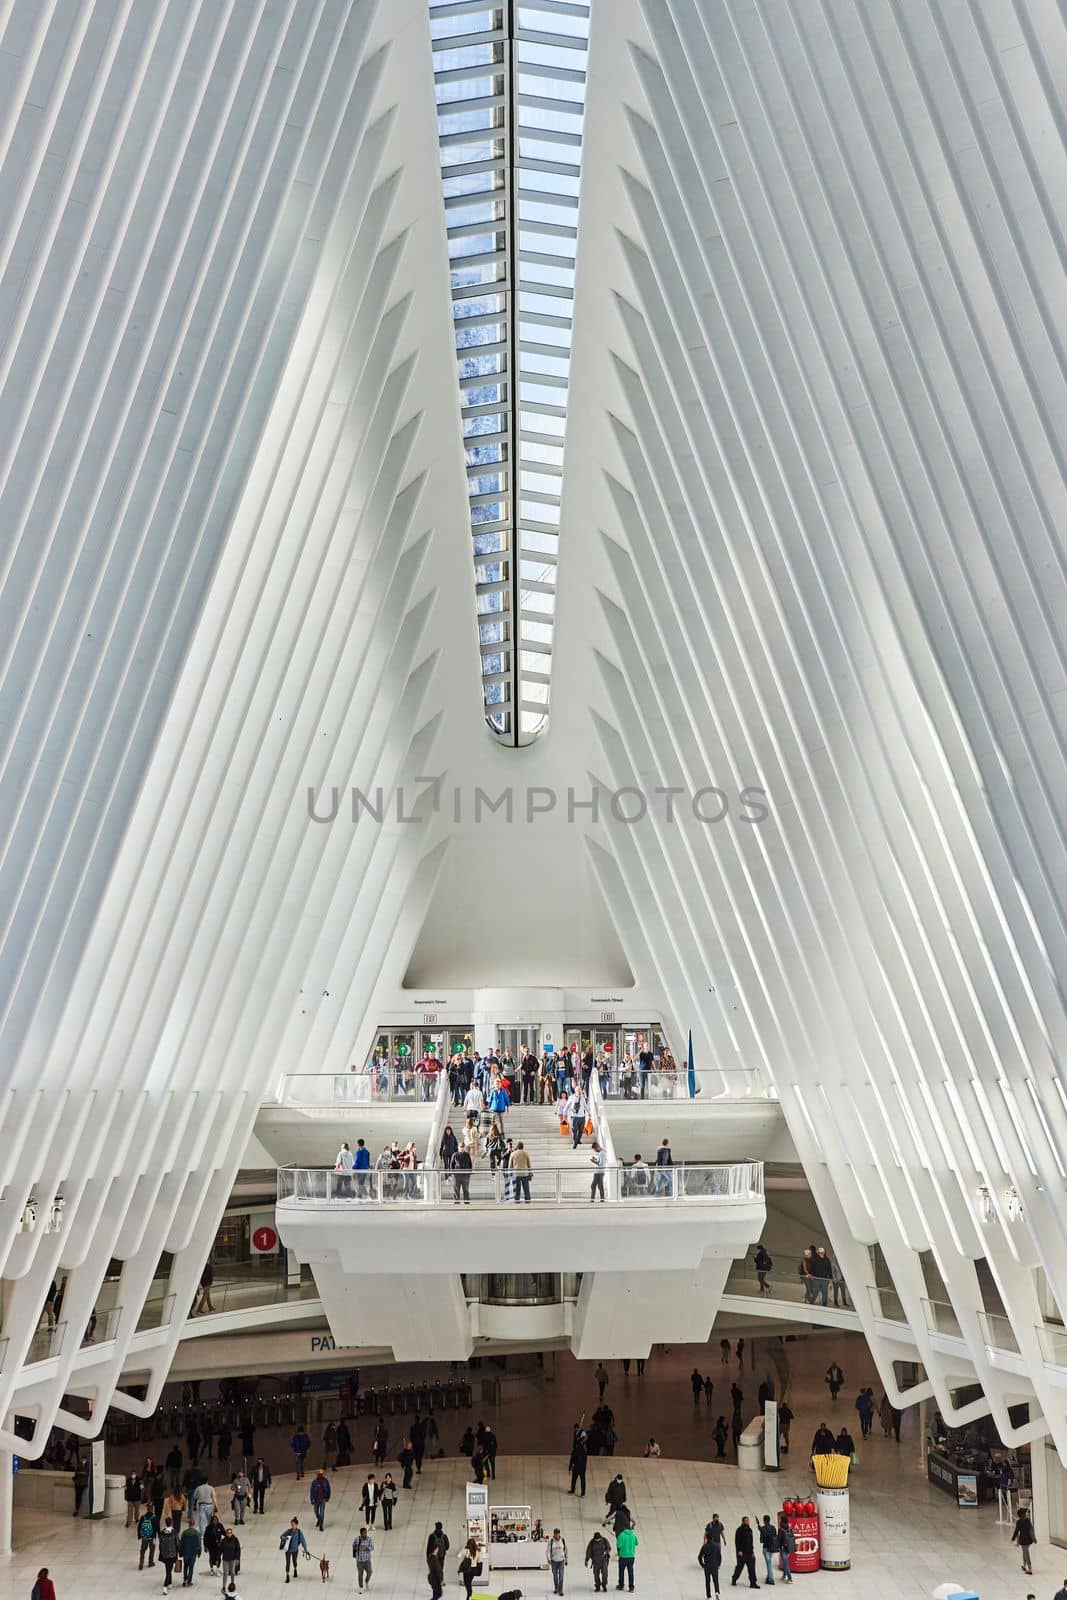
pixel 682 1184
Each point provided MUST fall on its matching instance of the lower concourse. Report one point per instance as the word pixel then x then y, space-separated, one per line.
pixel 907 1536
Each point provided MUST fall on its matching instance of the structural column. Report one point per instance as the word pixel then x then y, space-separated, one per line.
pixel 7 1494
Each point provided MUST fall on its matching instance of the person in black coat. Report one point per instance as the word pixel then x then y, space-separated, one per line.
pixel 623 1519
pixel 577 1464
pixel 745 1550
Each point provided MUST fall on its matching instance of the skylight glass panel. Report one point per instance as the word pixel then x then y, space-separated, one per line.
pixel 510 86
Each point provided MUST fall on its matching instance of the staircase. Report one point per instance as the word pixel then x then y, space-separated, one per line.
pixel 539 1131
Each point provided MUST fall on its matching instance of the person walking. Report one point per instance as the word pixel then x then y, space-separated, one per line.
pixel 205 1505
pixel 242 1493
pixel 319 1495
pixel 834 1380
pixel 131 1493
pixel 435 1572
pixel 626 1549
pixel 614 1497
pixel 787 1546
pixel 147 1529
pixel 230 1551
pixel 81 1482
pixel 214 1534
pixel 380 1447
pixel 720 1433
pixel 168 1553
pixel 1024 1536
pixel 709 1556
pixel 578 1460
pixel 598 1556
pixel 292 1542
pixel 785 1420
pixel 768 1538
pixel 43 1587
pixel 388 1495
pixel 696 1383
pixel 557 1560
pixel 190 1547
pixel 469 1567
pixel 577 1111
pixel 600 1373
pixel 202 1298
pixel 260 1485
pixel 745 1551
pixel 599 1161
pixel 174 1509
pixel 362 1552
pixel 369 1497
pixel 440 1538
pixel 865 1408
pixel 763 1264
pixel 300 1444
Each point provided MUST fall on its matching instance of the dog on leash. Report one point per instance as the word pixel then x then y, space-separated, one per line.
pixel 324 1568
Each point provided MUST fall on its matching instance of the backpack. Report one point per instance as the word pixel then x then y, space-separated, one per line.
pixel 146 1528
pixel 769 1538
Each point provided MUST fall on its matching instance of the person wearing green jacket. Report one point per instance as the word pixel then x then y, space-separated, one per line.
pixel 190 1547
pixel 626 1549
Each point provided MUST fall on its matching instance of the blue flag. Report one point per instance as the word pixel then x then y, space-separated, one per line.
pixel 693 1090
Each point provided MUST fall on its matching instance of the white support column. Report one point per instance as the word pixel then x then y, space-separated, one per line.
pixel 7 1492
pixel 1039 1494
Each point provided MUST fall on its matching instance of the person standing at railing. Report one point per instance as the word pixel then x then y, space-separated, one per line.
pixel 521 1167
pixel 361 1169
pixel 664 1183
pixel 599 1160
pixel 343 1168
pixel 645 1062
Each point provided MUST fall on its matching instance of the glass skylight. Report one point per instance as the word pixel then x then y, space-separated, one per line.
pixel 510 84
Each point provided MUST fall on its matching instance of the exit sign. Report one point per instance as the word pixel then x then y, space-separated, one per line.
pixel 429 1016
pixel 607 1016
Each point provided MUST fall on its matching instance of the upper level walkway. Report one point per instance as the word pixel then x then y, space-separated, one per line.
pixel 692 1183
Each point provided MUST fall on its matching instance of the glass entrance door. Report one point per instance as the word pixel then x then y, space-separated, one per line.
pixel 580 1037
pixel 519 1040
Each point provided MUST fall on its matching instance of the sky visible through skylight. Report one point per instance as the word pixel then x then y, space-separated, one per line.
pixel 510 85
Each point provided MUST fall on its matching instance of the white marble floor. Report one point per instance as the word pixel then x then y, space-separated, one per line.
pixel 907 1537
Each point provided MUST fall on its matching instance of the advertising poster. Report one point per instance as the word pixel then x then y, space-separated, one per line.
pixel 835 1546
pixel 97 1478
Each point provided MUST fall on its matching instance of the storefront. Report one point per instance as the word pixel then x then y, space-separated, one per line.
pixel 960 1474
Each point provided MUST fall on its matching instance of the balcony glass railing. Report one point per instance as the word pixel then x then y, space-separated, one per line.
pixel 619 1083
pixel 998 1332
pixel 678 1185
pixel 784 1283
pixel 362 1087
pixel 942 1318
pixel 886 1303
pixel 1053 1341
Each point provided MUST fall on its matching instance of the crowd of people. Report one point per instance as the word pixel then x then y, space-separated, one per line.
pixel 535 1079
pixel 818 1270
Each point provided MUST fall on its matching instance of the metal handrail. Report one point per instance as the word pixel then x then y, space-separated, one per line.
pixel 684 1184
